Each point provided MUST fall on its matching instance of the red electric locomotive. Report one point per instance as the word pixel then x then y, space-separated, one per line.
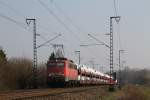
pixel 61 72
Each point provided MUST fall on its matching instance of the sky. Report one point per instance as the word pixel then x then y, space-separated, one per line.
pixel 74 20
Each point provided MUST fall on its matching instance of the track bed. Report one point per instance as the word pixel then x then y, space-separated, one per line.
pixel 79 93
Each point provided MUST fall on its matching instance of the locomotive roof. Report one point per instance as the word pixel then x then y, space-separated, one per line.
pixel 59 59
pixel 55 59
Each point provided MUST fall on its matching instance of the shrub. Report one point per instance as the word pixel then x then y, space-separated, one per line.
pixel 17 73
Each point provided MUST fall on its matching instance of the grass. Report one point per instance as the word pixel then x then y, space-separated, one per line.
pixel 146 91
pixel 130 92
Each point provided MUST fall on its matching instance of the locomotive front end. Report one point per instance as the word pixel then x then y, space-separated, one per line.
pixel 55 72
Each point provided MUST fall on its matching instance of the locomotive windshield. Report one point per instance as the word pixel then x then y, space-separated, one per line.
pixel 56 64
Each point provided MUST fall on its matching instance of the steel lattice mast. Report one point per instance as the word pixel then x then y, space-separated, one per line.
pixel 28 21
pixel 117 18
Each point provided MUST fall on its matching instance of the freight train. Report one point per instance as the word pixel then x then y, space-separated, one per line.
pixel 64 72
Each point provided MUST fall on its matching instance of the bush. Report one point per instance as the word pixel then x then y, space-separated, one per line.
pixel 42 80
pixel 17 73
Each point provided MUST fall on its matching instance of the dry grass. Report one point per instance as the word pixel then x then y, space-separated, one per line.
pixel 131 92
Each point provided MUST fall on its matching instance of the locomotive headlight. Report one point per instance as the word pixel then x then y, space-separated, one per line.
pixel 60 73
pixel 50 74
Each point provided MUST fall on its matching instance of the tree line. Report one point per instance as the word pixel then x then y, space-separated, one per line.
pixel 16 73
pixel 134 76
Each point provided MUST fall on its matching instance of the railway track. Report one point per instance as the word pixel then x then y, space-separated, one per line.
pixel 50 94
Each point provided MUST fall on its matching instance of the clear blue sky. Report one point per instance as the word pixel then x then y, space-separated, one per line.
pixel 91 16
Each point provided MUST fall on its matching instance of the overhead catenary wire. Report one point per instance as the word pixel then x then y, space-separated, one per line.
pixel 74 25
pixel 11 8
pixel 118 24
pixel 48 41
pixel 78 29
pixel 66 16
pixel 62 23
pixel 18 23
pixel 13 20
pixel 115 7
pixel 70 21
pixel 58 19
pixel 22 25
pixel 18 13
pixel 119 34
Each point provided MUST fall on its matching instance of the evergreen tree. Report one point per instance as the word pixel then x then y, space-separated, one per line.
pixel 2 56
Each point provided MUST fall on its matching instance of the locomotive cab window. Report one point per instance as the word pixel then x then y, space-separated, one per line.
pixel 51 64
pixel 58 64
